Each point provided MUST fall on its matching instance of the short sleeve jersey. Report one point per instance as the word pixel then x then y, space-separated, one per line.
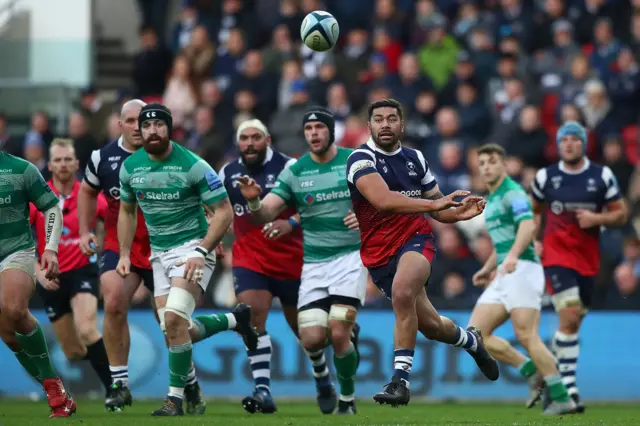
pixel 321 195
pixel 171 194
pixel 20 184
pixel 506 207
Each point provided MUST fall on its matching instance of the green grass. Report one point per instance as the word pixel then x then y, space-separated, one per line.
pixel 91 413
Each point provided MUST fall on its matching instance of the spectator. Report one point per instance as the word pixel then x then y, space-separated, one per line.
pixel 475 117
pixel 438 54
pixel 235 16
pixel 354 60
pixel 572 89
pixel 553 13
pixel 390 48
pixel 606 48
pixel 467 20
pixel 96 110
pixel 280 50
pixel 39 137
pixel 327 76
pixel 200 53
pixel 452 172
pixel 623 87
pixel 485 58
pixel 356 132
pixel 388 18
pixel 286 126
pixel 408 82
pixel 155 13
pixel 625 295
pixel 591 13
pixel 9 144
pixel 183 29
pixel 506 123
pixel 376 76
pixel 598 112
pixel 291 72
pixel 529 140
pixel 180 95
pixel 455 292
pixel 113 128
pixel 453 255
pixel 425 16
pixel 206 140
pixel 151 65
pixel 264 85
pixel 338 104
pixel 420 124
pixel 556 60
pixel 614 157
pixel 83 142
pixel 635 34
pixel 465 70
pixel 516 18
pixel 448 125
pixel 227 64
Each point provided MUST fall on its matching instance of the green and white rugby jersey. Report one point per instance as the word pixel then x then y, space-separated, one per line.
pixel 320 194
pixel 20 184
pixel 506 207
pixel 171 194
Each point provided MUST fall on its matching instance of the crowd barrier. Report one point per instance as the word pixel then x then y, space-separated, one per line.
pixel 608 370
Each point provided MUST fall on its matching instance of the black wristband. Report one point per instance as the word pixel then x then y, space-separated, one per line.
pixel 203 251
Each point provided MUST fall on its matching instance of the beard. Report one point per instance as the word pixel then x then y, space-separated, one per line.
pixel 156 148
pixel 256 161
pixel 573 161
pixel 386 144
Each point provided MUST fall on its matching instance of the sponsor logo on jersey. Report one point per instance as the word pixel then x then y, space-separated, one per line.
pixel 240 210
pixel 114 166
pixel 556 181
pixel 115 193
pixel 307 184
pixel 309 172
pixel 158 196
pixel 173 168
pixel 327 196
pixel 591 185
pixel 137 180
pixel 142 169
pixel 414 193
pixel 6 170
pixel 5 200
pixel 117 158
pixel 213 181
pixel 412 168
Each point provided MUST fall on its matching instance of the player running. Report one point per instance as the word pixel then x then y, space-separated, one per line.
pixel 516 292
pixel 333 278
pixel 575 198
pixel 102 175
pixel 388 185
pixel 20 184
pixel 71 300
pixel 267 263
pixel 172 184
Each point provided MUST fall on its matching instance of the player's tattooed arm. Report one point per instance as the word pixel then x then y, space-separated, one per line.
pixel 471 207
pixel 220 220
pixel 127 223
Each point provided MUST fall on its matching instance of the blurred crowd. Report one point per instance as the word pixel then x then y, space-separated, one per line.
pixel 466 71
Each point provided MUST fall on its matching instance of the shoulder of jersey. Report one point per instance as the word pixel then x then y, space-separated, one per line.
pixel 18 161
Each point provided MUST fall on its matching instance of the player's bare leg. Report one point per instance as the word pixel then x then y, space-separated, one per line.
pixel 525 324
pixel 117 293
pixel 342 319
pixel 489 316
pixel 16 289
pixel 566 347
pixel 9 338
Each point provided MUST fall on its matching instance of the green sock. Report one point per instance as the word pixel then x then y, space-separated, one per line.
pixel 557 389
pixel 208 325
pixel 28 364
pixel 527 368
pixel 35 346
pixel 179 364
pixel 346 365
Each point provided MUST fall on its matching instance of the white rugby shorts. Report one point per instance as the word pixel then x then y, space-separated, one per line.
pixel 24 260
pixel 523 288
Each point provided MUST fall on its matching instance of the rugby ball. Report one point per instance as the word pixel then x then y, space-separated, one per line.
pixel 319 31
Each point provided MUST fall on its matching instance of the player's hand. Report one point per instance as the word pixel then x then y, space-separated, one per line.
pixel 51 285
pixel 481 278
pixel 509 264
pixel 249 187
pixel 124 266
pixel 471 207
pixel 276 229
pixel 538 247
pixel 220 251
pixel 448 201
pixel 88 244
pixel 352 221
pixel 193 267
pixel 587 219
pixel 49 264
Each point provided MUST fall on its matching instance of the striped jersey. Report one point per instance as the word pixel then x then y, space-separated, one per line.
pixel 171 194
pixel 506 207
pixel 320 194
pixel 20 184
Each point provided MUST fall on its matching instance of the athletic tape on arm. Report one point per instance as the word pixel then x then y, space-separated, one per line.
pixel 52 227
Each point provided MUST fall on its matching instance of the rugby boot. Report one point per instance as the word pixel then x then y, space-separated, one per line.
pixel 171 407
pixel 66 410
pixel 118 396
pixel 196 405
pixel 579 405
pixel 242 312
pixel 481 356
pixel 259 402
pixel 536 388
pixel 61 404
pixel 355 339
pixel 395 393
pixel 327 399
pixel 557 408
pixel 346 408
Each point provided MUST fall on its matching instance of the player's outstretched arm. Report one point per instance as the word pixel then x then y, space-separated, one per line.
pixel 471 207
pixel 220 220
pixel 267 209
pixel 373 187
pixel 87 208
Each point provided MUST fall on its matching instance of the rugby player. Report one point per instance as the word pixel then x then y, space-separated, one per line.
pixel 333 282
pixel 516 292
pixel 391 189
pixel 102 175
pixel 71 300
pixel 20 184
pixel 572 200
pixel 171 184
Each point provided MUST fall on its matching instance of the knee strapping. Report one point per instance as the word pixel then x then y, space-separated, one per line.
pixel 163 327
pixel 343 313
pixel 313 318
pixel 181 303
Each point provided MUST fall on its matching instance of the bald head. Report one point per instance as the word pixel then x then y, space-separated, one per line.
pixel 132 105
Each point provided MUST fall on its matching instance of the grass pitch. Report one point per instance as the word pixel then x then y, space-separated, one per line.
pixel 91 413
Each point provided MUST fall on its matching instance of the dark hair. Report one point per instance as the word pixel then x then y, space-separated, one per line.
pixel 385 103
pixel 492 148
